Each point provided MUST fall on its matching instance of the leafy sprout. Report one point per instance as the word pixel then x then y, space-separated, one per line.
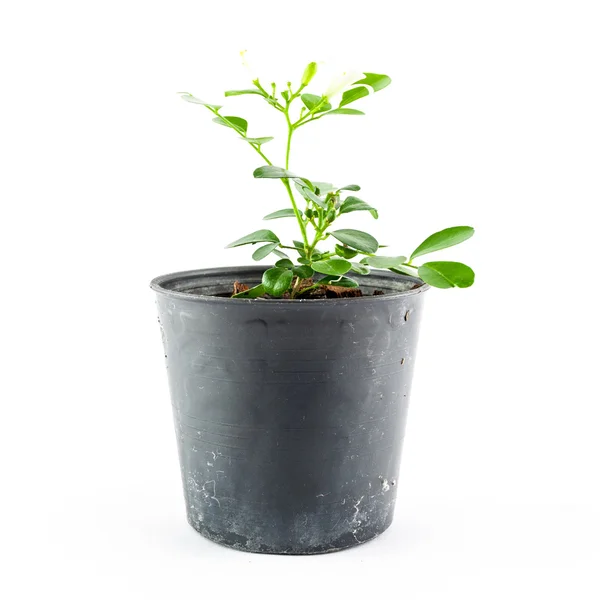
pixel 354 251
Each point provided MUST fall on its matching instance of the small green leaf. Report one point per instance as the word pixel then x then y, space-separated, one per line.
pixel 446 274
pixel 303 271
pixel 242 92
pixel 276 281
pixel 345 111
pixel 361 241
pixel 332 266
pixel 351 188
pixel 386 262
pixel 272 172
pixel 323 187
pixel 280 254
pixel 284 263
pixel 352 204
pixel 375 80
pixel 339 281
pixel 259 141
pixel 264 251
pixel 360 269
pixel 309 195
pixel 353 94
pixel 311 101
pixel 263 235
pixel 237 123
pixel 189 98
pixel 443 239
pixel 280 214
pixel 345 252
pixel 286 95
pixel 404 270
pixel 253 292
pixel 299 245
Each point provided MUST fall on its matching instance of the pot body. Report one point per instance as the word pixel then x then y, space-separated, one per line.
pixel 289 414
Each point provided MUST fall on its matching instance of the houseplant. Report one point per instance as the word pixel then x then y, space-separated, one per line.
pixel 290 384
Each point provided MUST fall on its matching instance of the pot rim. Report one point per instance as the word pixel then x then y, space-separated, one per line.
pixel 158 285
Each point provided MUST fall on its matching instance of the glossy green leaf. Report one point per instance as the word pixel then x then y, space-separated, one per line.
pixel 345 111
pixel 237 123
pixel 280 254
pixel 446 274
pixel 350 188
pixel 352 204
pixel 360 268
pixel 272 172
pixel 276 281
pixel 303 271
pixel 375 80
pixel 443 239
pixel 264 251
pixel 361 241
pixel 262 235
pixel 386 262
pixel 309 195
pixel 243 92
pixel 259 141
pixel 253 292
pixel 189 98
pixel 339 281
pixel 280 214
pixel 284 263
pixel 404 270
pixel 311 101
pixel 353 94
pixel 332 266
pixel 345 252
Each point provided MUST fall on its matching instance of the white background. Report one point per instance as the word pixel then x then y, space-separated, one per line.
pixel 109 179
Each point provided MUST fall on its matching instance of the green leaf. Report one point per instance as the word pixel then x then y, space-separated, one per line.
pixel 264 251
pixel 361 241
pixel 443 239
pixel 303 271
pixel 298 245
pixel 280 214
pixel 339 281
pixel 361 269
pixel 242 92
pixel 403 270
pixel 259 141
pixel 262 235
pixel 280 254
pixel 345 111
pixel 189 98
pixel 276 281
pixel 386 262
pixel 332 266
pixel 353 94
pixel 237 123
pixel 310 101
pixel 254 292
pixel 272 172
pixel 351 188
pixel 284 263
pixel 375 80
pixel 345 252
pixel 445 274
pixel 352 204
pixel 309 195
pixel 323 187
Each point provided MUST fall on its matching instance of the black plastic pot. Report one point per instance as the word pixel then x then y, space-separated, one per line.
pixel 289 414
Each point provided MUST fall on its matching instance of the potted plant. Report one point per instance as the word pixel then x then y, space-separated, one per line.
pixel 290 384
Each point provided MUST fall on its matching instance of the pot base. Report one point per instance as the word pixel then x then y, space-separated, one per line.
pixel 246 545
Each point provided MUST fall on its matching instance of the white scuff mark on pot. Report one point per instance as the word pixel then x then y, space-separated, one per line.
pixel 322 495
pixel 209 464
pixel 385 485
pixel 214 491
pixel 355 518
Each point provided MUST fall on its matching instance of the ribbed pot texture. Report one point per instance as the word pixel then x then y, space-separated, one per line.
pixel 289 414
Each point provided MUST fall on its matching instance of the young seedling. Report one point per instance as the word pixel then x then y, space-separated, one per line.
pixel 354 251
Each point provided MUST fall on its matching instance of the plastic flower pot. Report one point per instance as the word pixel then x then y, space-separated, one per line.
pixel 289 414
